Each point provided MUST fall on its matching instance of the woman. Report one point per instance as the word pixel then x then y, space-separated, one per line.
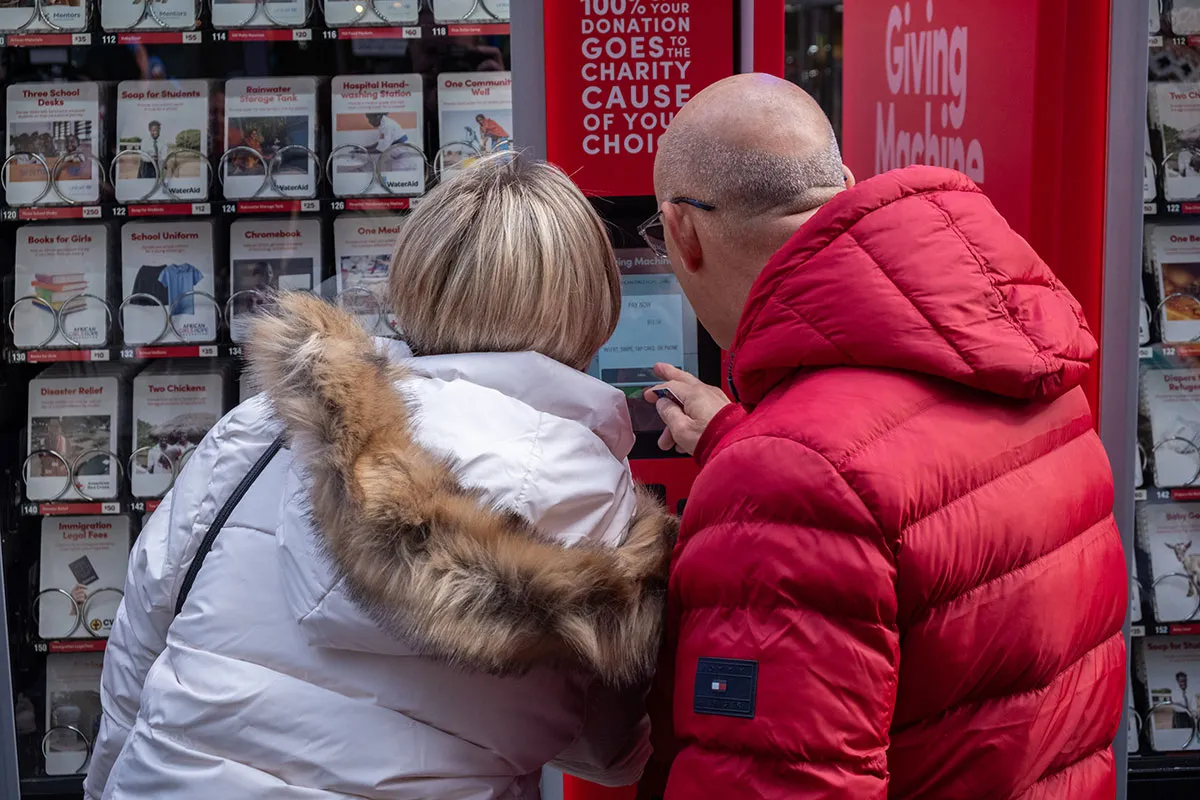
pixel 447 578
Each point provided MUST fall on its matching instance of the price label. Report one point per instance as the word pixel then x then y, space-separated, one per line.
pixel 110 508
pixel 302 35
pixel 99 355
pixel 1139 495
pixel 1156 41
pixel 412 33
pixel 192 37
pixel 310 205
pixel 1148 209
pixel 1145 352
pixel 208 351
pixel 81 39
pixel 91 212
pixel 1137 630
pixel 201 209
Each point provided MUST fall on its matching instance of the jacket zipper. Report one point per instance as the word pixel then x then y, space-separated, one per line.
pixel 732 387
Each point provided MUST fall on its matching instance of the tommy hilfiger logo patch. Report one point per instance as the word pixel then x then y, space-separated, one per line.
pixel 725 687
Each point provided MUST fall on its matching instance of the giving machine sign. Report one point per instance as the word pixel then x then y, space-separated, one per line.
pixel 933 82
pixel 616 73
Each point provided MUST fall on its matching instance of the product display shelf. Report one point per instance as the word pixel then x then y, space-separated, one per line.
pixel 101 38
pixel 223 59
pixel 121 211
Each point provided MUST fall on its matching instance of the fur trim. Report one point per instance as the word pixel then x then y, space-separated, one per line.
pixel 474 585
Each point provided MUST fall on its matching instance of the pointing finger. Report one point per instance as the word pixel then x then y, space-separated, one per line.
pixel 672 373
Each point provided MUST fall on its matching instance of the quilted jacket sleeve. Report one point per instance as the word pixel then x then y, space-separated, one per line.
pixel 139 632
pixel 781 563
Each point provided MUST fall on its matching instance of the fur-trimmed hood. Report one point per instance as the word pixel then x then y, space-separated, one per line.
pixel 450 530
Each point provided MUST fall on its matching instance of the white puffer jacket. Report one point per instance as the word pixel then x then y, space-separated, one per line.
pixel 365 626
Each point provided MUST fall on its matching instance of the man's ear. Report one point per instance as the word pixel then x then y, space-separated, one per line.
pixel 681 233
pixel 850 179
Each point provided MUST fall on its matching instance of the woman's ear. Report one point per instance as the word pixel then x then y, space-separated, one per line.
pixel 850 179
pixel 683 241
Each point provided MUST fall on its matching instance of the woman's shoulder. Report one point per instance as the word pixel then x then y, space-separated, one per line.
pixel 553 470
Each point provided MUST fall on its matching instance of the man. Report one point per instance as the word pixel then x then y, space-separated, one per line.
pixel 491 132
pixel 388 132
pixel 149 169
pixel 1184 714
pixel 898 574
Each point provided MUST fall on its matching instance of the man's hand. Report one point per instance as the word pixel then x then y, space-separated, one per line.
pixel 701 403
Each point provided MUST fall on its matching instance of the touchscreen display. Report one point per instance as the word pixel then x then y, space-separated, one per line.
pixel 657 324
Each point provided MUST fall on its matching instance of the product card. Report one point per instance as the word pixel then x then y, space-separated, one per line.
pixel 72 708
pixel 1170 534
pixel 1143 317
pixel 85 558
pixel 471 10
pixel 1175 110
pixel 1171 401
pixel 339 13
pixel 1185 16
pixel 268 14
pixel 1149 190
pixel 58 123
pixel 378 113
pixel 474 115
pixel 61 267
pixel 168 282
pixel 163 126
pixel 73 422
pixel 1131 735
pixel 276 118
pixel 1172 672
pixel 123 15
pixel 173 408
pixel 21 16
pixel 269 255
pixel 1173 253
pixel 363 246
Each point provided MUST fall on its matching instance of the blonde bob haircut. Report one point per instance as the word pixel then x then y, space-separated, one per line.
pixel 507 255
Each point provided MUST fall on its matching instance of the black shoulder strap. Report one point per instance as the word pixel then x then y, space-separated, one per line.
pixel 219 520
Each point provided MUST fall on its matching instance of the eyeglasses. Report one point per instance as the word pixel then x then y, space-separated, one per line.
pixel 652 229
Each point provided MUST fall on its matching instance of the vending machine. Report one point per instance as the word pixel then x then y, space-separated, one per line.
pixel 169 164
pixel 1044 104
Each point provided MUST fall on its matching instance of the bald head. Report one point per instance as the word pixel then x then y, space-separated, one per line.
pixel 752 145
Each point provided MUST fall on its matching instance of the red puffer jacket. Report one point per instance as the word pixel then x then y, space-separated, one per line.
pixel 898 574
